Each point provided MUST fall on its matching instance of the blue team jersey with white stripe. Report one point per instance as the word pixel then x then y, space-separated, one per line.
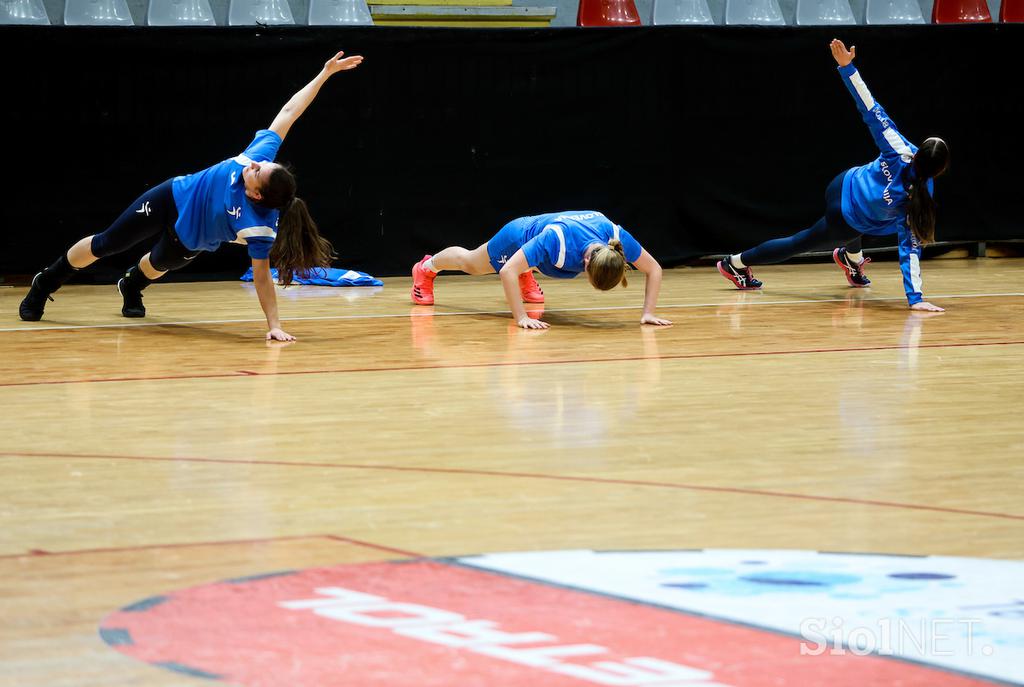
pixel 875 195
pixel 555 243
pixel 213 208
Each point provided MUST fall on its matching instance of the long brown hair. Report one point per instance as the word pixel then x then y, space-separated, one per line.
pixel 607 266
pixel 299 247
pixel 930 161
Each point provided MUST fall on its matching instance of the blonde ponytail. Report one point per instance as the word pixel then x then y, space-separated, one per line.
pixel 607 266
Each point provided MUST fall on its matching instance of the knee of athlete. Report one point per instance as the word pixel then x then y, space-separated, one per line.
pixel 97 246
pixel 463 260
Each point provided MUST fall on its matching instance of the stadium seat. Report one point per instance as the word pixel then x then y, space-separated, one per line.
pixel 253 12
pixel 893 12
pixel 23 12
pixel 681 12
pixel 1012 11
pixel 607 13
pixel 97 13
pixel 327 12
pixel 765 12
pixel 180 13
pixel 960 12
pixel 823 12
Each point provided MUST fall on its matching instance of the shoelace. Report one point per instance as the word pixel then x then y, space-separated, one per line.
pixel 858 269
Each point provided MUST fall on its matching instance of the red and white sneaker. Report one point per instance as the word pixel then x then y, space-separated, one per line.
pixel 743 279
pixel 422 283
pixel 530 289
pixel 854 272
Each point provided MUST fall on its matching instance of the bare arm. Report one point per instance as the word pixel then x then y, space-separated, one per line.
pixel 510 281
pixel 650 267
pixel 265 290
pixel 294 108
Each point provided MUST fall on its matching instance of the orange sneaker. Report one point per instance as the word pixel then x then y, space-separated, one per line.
pixel 530 289
pixel 422 283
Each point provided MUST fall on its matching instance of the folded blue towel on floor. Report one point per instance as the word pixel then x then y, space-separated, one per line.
pixel 327 276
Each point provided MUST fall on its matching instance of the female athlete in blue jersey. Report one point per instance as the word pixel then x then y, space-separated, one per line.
pixel 239 200
pixel 559 244
pixel 891 195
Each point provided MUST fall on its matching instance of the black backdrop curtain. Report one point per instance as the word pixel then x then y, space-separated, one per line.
pixel 697 140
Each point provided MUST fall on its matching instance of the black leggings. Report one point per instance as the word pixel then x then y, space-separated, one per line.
pixel 828 231
pixel 152 213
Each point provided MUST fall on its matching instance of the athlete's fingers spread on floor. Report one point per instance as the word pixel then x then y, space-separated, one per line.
pixel 927 307
pixel 529 323
pixel 279 335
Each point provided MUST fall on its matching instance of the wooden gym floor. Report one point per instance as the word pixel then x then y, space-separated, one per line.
pixel 140 457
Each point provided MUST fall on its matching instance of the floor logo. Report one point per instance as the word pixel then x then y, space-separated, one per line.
pixel 563 618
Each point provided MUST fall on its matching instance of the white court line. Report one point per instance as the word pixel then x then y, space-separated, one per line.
pixel 496 312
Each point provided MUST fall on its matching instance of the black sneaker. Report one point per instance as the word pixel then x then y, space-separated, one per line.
pixel 854 272
pixel 31 308
pixel 743 279
pixel 133 306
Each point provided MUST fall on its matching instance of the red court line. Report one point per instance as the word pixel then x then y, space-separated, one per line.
pixel 518 363
pixel 531 475
pixel 40 553
pixel 370 545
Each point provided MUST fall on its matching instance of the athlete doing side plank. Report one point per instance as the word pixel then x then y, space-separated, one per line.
pixel 890 195
pixel 247 199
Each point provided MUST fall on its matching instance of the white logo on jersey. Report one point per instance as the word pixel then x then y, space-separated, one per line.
pixel 579 218
pixel 236 213
pixel 232 177
pixel 504 258
pixel 144 209
pixel 888 176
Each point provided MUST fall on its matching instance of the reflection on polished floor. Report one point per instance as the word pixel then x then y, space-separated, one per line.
pixel 145 456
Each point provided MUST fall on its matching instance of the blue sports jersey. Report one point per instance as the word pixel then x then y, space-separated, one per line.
pixel 555 243
pixel 875 194
pixel 213 208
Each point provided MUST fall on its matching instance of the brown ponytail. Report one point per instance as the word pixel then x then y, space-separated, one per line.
pixel 930 161
pixel 607 266
pixel 299 247
pixel 921 212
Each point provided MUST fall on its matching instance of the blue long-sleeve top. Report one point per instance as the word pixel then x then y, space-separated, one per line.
pixel 875 195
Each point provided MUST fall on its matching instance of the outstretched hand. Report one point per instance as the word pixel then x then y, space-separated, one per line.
pixel 842 55
pixel 340 63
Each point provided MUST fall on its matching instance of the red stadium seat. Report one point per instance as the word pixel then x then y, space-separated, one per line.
pixel 607 13
pixel 960 12
pixel 1012 11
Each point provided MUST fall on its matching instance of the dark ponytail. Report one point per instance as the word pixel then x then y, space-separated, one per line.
pixel 299 247
pixel 929 162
